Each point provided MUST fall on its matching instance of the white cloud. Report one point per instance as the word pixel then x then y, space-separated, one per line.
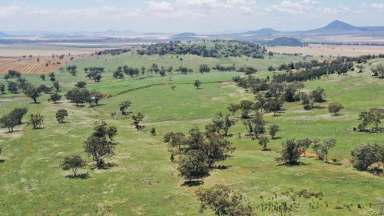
pixel 377 5
pixel 186 15
pixel 294 7
pixel 9 10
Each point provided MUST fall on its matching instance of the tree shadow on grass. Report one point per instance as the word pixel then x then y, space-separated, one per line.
pixel 58 103
pixel 82 176
pixel 98 105
pixel 319 107
pixel 222 167
pixel 39 128
pixel 294 164
pixel 14 131
pixel 105 166
pixel 2 161
pixel 193 183
pixel 266 150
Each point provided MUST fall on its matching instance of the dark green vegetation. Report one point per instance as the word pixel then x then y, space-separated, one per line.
pixel 215 49
pixel 128 168
pixel 285 41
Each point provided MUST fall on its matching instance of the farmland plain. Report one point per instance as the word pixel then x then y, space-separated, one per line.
pixel 143 180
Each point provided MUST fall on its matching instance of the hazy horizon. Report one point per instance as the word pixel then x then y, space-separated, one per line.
pixel 175 16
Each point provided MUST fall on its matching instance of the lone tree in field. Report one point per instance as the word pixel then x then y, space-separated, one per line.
pixel 101 144
pixel 56 85
pixel 33 93
pixel 197 84
pixel 13 87
pixel 78 96
pixel 137 119
pixel 124 106
pixel 73 163
pixel 153 131
pixel 193 166
pixel 94 73
pixel 322 149
pixel 366 155
pixel 72 69
pixel 292 151
pixel 318 95
pixel 55 97
pixel 307 101
pixel 8 122
pixel 81 84
pixel 37 121
pixel 370 121
pixel 273 131
pixel 42 77
pixel 204 68
pixel 94 98
pixel 263 141
pixel 224 201
pixel 335 108
pixel 12 119
pixel 52 77
pixel 18 114
pixel 61 115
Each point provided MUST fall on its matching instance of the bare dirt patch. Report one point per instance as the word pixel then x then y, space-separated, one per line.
pixel 39 59
pixel 34 65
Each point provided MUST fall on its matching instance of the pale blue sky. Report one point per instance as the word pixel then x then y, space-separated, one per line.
pixel 183 15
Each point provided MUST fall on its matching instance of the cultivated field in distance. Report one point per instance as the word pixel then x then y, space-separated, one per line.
pixel 329 50
pixel 39 59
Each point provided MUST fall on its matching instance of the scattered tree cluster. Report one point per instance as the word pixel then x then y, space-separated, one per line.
pixel 94 73
pixel 200 151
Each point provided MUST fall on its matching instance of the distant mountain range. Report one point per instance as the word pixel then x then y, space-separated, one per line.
pixel 325 34
pixel 264 31
pixel 336 27
pixel 268 35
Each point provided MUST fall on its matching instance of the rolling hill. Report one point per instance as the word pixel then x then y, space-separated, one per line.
pixel 338 27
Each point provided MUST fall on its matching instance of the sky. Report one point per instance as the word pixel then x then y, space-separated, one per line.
pixel 175 16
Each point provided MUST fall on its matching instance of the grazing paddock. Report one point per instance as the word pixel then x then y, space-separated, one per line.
pixel 144 181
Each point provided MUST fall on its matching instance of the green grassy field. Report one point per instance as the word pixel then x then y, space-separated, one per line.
pixel 145 182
